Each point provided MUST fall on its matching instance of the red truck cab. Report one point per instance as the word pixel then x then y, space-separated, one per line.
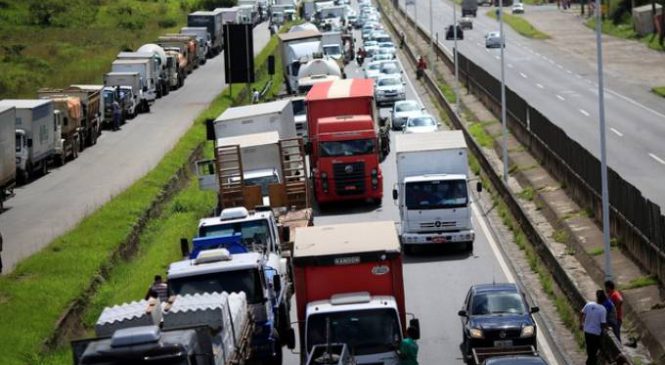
pixel 348 277
pixel 341 117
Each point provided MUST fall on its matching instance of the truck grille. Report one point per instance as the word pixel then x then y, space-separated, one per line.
pixel 349 178
pixel 438 225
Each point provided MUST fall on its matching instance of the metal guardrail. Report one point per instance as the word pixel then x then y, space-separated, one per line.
pixel 610 347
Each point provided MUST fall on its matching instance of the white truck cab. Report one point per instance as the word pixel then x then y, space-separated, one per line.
pixel 256 227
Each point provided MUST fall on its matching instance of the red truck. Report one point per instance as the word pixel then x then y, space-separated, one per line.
pixel 348 278
pixel 346 144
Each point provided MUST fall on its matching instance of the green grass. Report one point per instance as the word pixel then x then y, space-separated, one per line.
pixel 640 282
pixel 659 91
pixel 448 92
pixel 480 135
pixel 80 43
pixel 527 193
pixel 625 30
pixel 560 236
pixel 596 251
pixel 520 25
pixel 34 296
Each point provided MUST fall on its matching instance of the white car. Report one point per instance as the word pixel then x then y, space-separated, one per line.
pixel 373 69
pixel 518 8
pixel 381 57
pixel 388 47
pixel 403 110
pixel 389 89
pixel 390 68
pixel 493 40
pixel 424 123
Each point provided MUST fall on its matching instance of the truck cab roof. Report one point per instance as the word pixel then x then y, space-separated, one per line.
pixel 351 301
pixel 206 263
pixel 253 110
pixel 429 141
pixel 24 103
pixel 332 244
pixel 342 89
pixel 431 177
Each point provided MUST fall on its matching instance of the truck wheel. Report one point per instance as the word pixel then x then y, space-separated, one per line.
pixel 147 107
pixel 43 168
pixel 60 160
pixel 25 174
pixel 284 324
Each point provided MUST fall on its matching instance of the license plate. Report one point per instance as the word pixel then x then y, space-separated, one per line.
pixel 439 239
pixel 504 343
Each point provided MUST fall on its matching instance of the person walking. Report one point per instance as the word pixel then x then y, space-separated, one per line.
pixel 593 320
pixel 408 348
pixel 117 113
pixel 617 299
pixel 611 317
pixel 158 288
pixel 421 67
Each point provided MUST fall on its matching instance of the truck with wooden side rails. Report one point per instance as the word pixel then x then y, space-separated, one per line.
pixel 204 42
pixel 349 289
pixel 7 153
pixel 346 142
pixel 35 132
pixel 213 21
pixel 191 42
pixel 210 328
pixel 185 59
pixel 432 190
pixel 91 113
pixel 67 114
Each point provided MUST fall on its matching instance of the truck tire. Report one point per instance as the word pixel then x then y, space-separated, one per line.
pixel 283 324
pixel 146 107
pixel 43 168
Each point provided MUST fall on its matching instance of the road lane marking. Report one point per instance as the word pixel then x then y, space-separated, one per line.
pixel 570 72
pixel 523 75
pixel 616 132
pixel 660 160
pixel 559 66
pixel 635 103
pixel 478 44
pixel 578 76
pixel 540 86
pixel 497 57
pixel 560 97
pixel 586 113
pixel 537 54
pixel 487 50
pixel 510 65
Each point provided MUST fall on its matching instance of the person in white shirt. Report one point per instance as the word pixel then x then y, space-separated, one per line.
pixel 593 321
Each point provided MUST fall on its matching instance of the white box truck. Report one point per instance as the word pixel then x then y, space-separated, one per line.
pixel 156 75
pixel 126 80
pixel 144 68
pixel 35 133
pixel 431 190
pixel 7 152
pixel 257 118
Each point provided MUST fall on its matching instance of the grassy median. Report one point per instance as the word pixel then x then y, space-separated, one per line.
pixel 659 91
pixel 520 25
pixel 41 288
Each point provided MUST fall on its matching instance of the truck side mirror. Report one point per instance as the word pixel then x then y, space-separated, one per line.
pixel 395 194
pixel 210 129
pixel 184 247
pixel 29 142
pixel 308 148
pixel 277 284
pixel 461 313
pixel 535 309
pixel 479 186
pixel 415 324
pixel 291 339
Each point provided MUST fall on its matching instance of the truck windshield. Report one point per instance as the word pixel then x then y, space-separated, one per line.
pixel 332 50
pixel 367 331
pixel 247 281
pixel 347 148
pixel 124 361
pixel 263 182
pixel 253 231
pixel 436 194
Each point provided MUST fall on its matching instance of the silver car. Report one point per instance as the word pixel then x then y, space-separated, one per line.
pixel 493 40
pixel 403 110
pixel 389 89
pixel 373 69
pixel 424 123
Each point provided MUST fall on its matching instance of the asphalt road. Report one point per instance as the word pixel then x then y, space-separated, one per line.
pixel 55 203
pixel 565 90
pixel 437 278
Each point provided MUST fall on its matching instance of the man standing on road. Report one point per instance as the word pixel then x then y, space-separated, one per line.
pixel 593 319
pixel 116 114
pixel 617 300
pixel 408 349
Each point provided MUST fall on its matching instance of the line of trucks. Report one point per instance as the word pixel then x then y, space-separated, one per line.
pixel 60 123
pixel 230 295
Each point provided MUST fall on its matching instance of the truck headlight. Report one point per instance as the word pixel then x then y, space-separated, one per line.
pixel 528 331
pixel 375 172
pixel 324 175
pixel 476 333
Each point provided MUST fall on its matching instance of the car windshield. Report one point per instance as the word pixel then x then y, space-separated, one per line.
pixel 389 81
pixel 368 331
pixel 444 194
pixel 390 68
pixel 497 302
pixel 254 231
pixel 347 148
pixel 247 281
pixel 386 45
pixel 421 122
pixel 374 66
pixel 298 107
pixel 406 107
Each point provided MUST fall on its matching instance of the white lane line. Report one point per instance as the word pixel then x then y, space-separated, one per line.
pixel 559 66
pixel 478 44
pixel 560 97
pixel 616 132
pixel 551 61
pixel 570 72
pixel 537 54
pixel 635 103
pixel 586 113
pixel 510 65
pixel 543 345
pixel 523 75
pixel 487 50
pixel 497 57
pixel 660 160
pixel 578 76
pixel 540 86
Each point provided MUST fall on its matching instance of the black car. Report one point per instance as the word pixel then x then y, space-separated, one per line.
pixel 450 33
pixel 496 316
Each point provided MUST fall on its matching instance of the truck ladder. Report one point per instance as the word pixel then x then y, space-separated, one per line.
pixel 292 152
pixel 229 173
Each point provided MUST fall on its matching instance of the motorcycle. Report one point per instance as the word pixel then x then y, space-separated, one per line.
pixel 360 59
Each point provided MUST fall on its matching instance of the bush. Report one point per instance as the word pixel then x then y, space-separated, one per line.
pixel 167 23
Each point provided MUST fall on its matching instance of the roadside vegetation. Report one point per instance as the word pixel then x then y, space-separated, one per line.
pixel 659 91
pixel 37 293
pixel 520 25
pixel 55 43
pixel 624 29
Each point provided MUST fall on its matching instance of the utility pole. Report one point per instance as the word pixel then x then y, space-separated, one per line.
pixel 431 34
pixel 502 36
pixel 457 109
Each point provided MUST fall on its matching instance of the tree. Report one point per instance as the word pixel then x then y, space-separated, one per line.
pixel 44 11
pixel 212 4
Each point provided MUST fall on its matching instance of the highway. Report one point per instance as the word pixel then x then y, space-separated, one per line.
pixel 565 90
pixel 52 205
pixel 438 278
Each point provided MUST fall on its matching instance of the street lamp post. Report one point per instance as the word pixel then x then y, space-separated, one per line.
pixel 431 34
pixel 457 110
pixel 603 152
pixel 503 95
